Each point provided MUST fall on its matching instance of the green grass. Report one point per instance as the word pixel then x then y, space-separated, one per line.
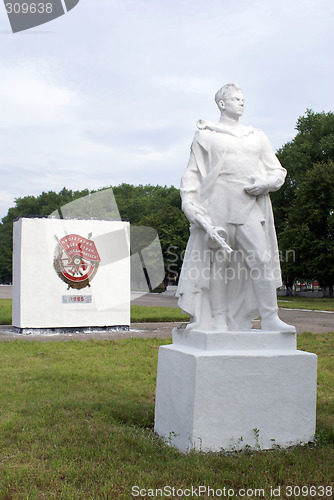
pixel 312 304
pixel 5 311
pixel 144 314
pixel 139 314
pixel 77 423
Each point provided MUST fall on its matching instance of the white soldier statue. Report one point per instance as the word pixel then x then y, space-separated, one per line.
pixel 231 267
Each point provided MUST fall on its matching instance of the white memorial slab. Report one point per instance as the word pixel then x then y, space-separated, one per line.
pixel 71 273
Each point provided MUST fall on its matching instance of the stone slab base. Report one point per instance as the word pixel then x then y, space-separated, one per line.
pixel 212 397
pixel 235 341
pixel 87 329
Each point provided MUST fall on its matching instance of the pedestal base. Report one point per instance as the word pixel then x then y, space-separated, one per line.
pixel 71 330
pixel 235 390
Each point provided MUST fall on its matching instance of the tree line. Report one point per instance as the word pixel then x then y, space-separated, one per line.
pixel 158 207
pixel 303 208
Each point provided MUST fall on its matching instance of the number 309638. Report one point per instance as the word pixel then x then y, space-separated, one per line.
pixel 29 8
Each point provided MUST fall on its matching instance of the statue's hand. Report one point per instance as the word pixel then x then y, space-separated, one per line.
pixel 191 210
pixel 213 234
pixel 259 186
pixel 216 238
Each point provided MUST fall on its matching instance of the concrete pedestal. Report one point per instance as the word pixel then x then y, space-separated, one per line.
pixel 235 390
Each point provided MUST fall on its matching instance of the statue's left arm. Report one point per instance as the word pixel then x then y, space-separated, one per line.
pixel 272 173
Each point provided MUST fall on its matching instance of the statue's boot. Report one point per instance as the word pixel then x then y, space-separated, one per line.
pixel 220 322
pixel 267 299
pixel 193 324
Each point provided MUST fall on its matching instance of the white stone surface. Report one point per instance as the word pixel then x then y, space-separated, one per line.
pixel 220 385
pixel 236 341
pixel 39 293
pixel 231 265
pixel 230 393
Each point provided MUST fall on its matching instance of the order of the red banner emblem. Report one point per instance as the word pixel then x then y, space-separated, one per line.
pixel 76 260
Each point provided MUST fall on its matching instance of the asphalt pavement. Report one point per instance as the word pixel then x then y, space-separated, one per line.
pixel 311 321
pixel 5 292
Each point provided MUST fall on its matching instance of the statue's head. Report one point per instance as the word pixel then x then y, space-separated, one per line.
pixel 227 92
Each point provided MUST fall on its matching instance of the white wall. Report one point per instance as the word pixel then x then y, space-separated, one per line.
pixel 38 292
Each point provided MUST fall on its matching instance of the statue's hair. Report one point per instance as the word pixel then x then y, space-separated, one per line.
pixel 225 91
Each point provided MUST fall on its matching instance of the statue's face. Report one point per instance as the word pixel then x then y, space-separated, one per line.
pixel 233 104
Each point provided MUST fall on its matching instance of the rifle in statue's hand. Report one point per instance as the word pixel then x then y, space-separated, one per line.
pixel 215 236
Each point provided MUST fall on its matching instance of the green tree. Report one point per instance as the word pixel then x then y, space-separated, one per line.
pixel 136 202
pixel 158 207
pixel 309 154
pixel 154 206
pixel 5 263
pixel 172 227
pixel 42 205
pixel 313 143
pixel 309 228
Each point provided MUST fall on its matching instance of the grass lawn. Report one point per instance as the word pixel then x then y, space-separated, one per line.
pixel 313 304
pixel 143 314
pixel 139 314
pixel 5 311
pixel 77 423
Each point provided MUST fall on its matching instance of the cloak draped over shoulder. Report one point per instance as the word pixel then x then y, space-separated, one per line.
pixel 222 162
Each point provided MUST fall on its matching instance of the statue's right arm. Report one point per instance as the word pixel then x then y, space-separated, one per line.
pixel 190 189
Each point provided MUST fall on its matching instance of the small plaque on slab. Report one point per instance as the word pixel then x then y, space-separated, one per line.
pixel 77 299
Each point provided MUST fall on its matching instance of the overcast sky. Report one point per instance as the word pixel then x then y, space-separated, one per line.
pixel 111 91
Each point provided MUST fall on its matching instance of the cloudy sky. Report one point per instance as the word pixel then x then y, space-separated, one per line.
pixel 111 91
